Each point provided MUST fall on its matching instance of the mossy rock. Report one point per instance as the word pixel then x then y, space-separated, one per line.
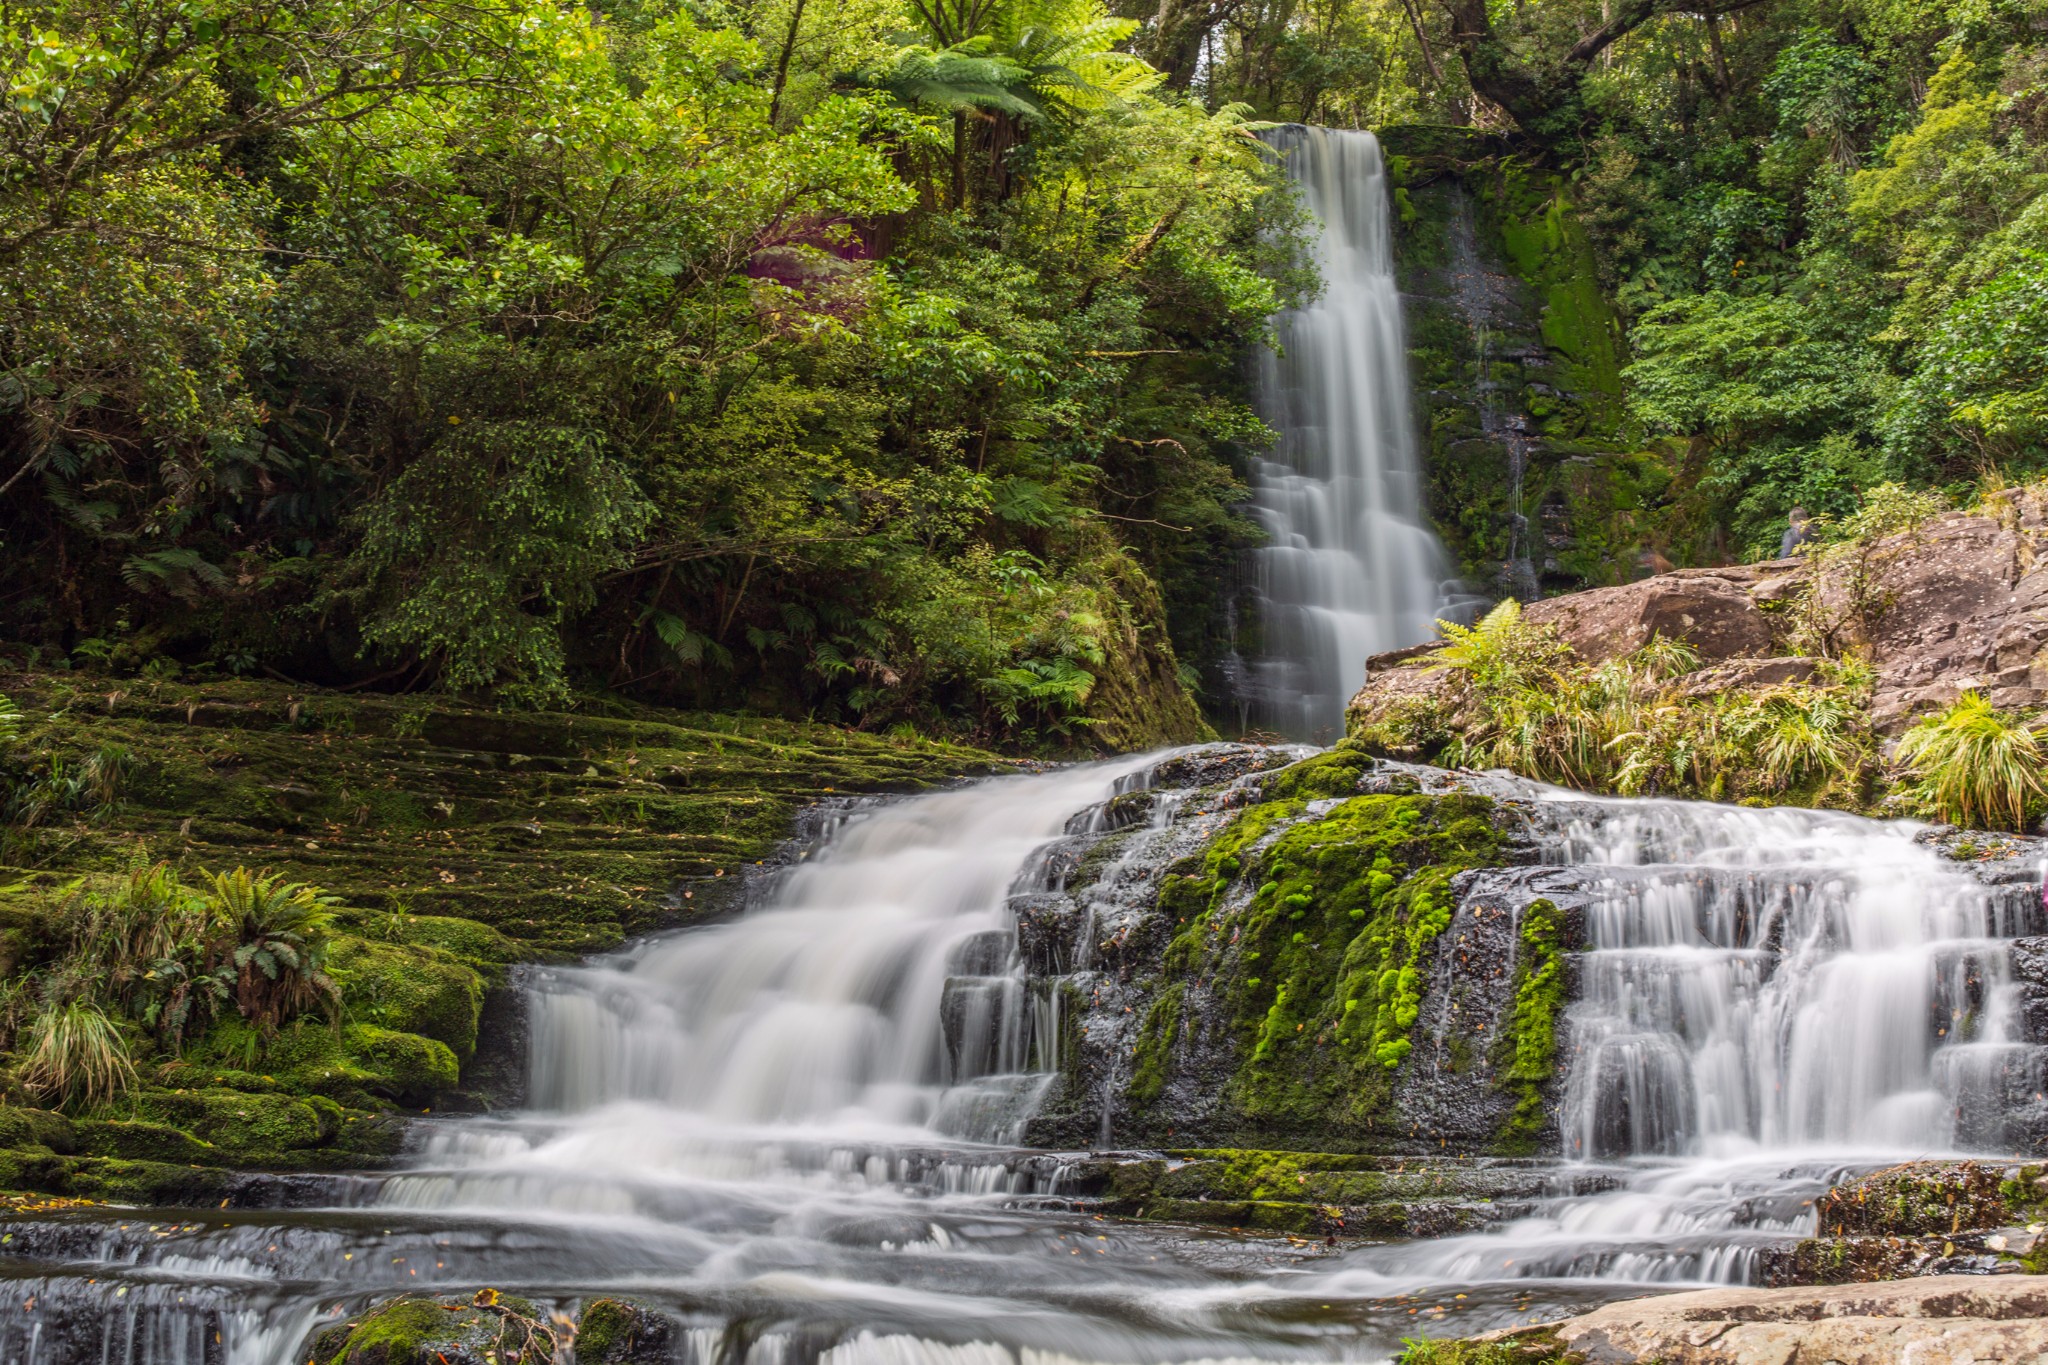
pixel 144 1184
pixel 20 1127
pixel 140 1140
pixel 485 1329
pixel 479 945
pixel 621 1332
pixel 362 1064
pixel 240 1124
pixel 409 988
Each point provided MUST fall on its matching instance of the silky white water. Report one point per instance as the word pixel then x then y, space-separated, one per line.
pixel 1350 569
pixel 1769 997
pixel 794 1131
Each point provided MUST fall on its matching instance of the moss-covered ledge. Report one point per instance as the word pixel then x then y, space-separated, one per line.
pixel 1324 980
pixel 454 842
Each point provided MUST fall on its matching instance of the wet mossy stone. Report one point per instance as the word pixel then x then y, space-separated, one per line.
pixel 361 1065
pixel 238 1123
pixel 20 1127
pixel 141 1140
pixel 621 1332
pixel 409 988
pixel 484 1329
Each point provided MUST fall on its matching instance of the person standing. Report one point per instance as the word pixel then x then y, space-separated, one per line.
pixel 1798 530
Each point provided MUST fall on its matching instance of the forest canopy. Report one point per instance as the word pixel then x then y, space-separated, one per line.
pixel 884 360
pixel 851 358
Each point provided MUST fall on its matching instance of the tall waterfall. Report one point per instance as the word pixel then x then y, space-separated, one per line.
pixel 1350 569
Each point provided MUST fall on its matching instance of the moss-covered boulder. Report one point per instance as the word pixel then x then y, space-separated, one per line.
pixel 409 988
pixel 237 1122
pixel 485 1328
pixel 621 1332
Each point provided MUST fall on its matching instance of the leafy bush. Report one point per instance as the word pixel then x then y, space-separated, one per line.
pixel 1972 764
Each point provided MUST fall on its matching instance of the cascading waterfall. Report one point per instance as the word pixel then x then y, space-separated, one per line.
pixel 1768 997
pixel 794 1131
pixel 1350 569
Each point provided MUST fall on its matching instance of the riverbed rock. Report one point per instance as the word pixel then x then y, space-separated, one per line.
pixel 621 1332
pixel 1940 1320
pixel 484 1328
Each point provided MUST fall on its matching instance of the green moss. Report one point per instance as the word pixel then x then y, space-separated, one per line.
pixel 409 988
pixel 1529 1046
pixel 142 1141
pixel 235 1121
pixel 1530 1346
pixel 1152 1064
pixel 362 1063
pixel 21 1127
pixel 621 1332
pixel 1317 945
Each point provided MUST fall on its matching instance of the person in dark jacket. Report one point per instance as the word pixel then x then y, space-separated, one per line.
pixel 1798 530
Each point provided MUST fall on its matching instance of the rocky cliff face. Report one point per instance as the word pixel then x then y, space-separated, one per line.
pixel 1516 359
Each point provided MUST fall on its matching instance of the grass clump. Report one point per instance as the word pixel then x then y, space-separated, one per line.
pixel 1635 724
pixel 1972 764
pixel 1538 1346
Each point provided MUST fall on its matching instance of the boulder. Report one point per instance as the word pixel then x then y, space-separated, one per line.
pixel 1938 1320
pixel 1709 612
pixel 1957 604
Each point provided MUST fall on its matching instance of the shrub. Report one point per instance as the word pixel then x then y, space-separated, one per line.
pixel 279 932
pixel 74 1054
pixel 1975 765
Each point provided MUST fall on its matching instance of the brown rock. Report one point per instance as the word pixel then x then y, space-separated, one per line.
pixel 1738 673
pixel 1938 1320
pixel 1706 610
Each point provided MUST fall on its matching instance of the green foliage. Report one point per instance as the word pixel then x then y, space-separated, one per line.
pixel 710 358
pixel 1972 764
pixel 1635 724
pixel 279 932
pixel 74 1054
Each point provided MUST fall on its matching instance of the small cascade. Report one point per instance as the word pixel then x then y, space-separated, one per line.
pixel 1351 569
pixel 1766 998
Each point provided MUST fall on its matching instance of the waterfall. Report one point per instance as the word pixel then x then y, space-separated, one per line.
pixel 859 1028
pixel 1350 569
pixel 1766 998
pixel 1787 980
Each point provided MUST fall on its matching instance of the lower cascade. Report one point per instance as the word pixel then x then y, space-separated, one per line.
pixel 802 1133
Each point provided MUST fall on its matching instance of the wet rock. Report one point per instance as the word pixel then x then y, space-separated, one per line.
pixel 621 1332
pixel 1941 1320
pixel 1312 1194
pixel 486 1328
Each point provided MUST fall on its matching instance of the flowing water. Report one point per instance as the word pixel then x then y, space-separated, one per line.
pixel 796 1130
pixel 1350 569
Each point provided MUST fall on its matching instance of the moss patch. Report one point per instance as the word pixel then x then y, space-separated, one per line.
pixel 1315 934
pixel 459 840
pixel 1528 1050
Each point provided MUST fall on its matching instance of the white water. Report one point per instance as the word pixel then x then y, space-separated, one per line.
pixel 789 1130
pixel 1351 569
pixel 1770 997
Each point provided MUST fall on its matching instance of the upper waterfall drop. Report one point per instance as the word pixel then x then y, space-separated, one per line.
pixel 1351 568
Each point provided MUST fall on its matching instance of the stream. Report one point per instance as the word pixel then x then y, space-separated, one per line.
pixel 797 1130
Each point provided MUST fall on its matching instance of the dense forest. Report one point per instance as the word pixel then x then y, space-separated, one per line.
pixel 885 361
